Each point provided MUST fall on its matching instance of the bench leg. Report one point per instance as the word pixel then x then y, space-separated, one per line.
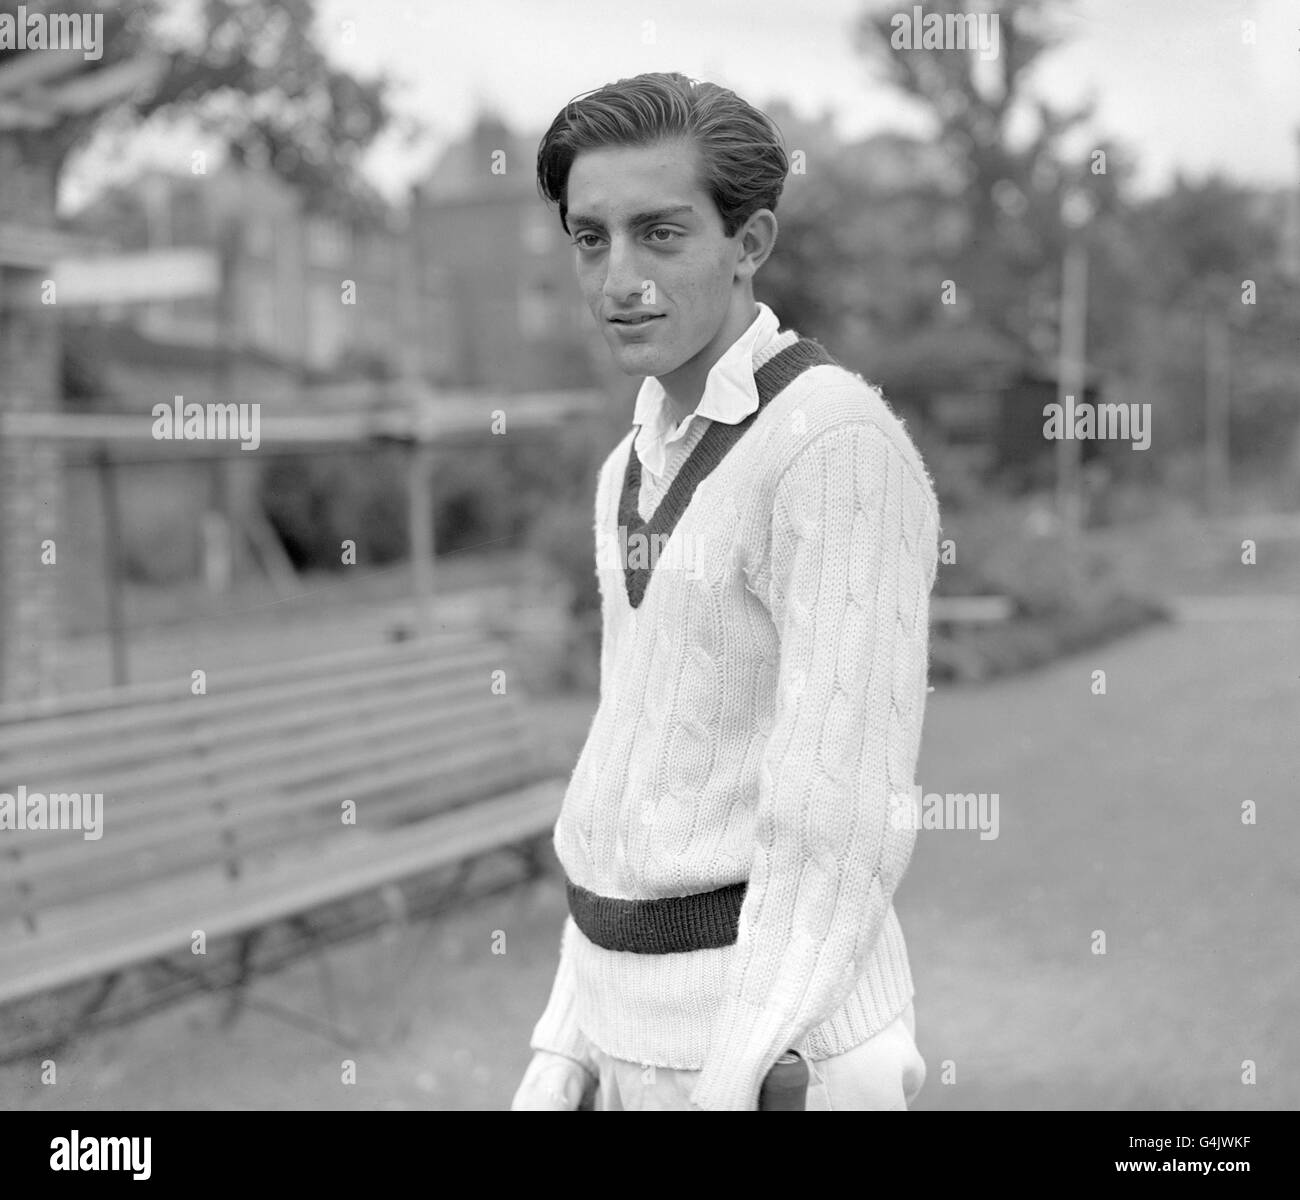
pixel 99 998
pixel 392 938
pixel 241 997
pixel 86 1013
pixel 397 934
pixel 432 908
pixel 324 972
pixel 243 971
pixel 57 1039
pixel 533 855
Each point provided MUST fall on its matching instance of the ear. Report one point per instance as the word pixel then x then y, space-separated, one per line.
pixel 756 238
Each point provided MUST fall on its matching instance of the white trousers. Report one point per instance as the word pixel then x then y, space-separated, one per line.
pixel 883 1074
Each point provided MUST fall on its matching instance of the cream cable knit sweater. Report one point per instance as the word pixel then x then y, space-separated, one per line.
pixel 757 712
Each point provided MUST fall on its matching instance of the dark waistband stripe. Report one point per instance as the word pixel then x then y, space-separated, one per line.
pixel 667 925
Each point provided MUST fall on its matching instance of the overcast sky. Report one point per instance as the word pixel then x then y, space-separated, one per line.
pixel 1174 80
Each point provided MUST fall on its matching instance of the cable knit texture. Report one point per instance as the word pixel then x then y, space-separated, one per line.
pixel 757 711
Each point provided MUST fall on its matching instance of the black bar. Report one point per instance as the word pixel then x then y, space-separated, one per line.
pixel 335 1149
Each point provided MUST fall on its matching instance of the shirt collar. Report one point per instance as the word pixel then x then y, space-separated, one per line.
pixel 730 394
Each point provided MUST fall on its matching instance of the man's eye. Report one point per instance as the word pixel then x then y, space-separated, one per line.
pixel 580 240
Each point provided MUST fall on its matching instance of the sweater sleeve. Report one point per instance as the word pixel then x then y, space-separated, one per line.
pixel 557 1030
pixel 853 557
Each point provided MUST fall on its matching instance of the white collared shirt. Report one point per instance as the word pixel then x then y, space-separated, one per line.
pixel 730 395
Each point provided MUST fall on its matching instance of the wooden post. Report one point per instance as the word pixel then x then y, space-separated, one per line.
pixel 1071 382
pixel 1216 412
pixel 112 565
pixel 32 489
pixel 420 523
pixel 219 525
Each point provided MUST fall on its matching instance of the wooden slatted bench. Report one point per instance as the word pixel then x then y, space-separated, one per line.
pixel 225 812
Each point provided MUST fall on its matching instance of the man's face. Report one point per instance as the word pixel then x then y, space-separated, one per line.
pixel 650 243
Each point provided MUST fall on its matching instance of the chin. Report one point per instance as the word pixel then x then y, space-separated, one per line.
pixel 647 362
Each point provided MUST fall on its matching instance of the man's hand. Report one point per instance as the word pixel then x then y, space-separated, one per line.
pixel 552 1082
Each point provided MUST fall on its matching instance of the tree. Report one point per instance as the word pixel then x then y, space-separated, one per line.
pixel 1011 194
pixel 253 75
pixel 861 230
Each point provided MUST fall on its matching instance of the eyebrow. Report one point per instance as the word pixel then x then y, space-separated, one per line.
pixel 644 218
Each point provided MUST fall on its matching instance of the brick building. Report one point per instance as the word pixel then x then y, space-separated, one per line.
pixel 287 271
pixel 482 235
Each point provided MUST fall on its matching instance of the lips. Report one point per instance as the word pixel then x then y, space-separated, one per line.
pixel 633 318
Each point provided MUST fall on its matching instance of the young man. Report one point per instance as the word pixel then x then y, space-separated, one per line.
pixel 766 545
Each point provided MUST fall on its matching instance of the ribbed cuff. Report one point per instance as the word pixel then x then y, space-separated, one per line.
pixel 748 1042
pixel 883 990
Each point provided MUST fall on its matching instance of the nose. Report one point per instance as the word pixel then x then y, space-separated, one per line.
pixel 623 277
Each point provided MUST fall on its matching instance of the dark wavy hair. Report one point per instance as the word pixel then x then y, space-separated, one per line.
pixel 744 158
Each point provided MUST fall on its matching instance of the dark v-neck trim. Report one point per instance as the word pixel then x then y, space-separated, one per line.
pixel 770 379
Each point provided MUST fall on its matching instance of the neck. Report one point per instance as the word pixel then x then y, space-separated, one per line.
pixel 684 386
